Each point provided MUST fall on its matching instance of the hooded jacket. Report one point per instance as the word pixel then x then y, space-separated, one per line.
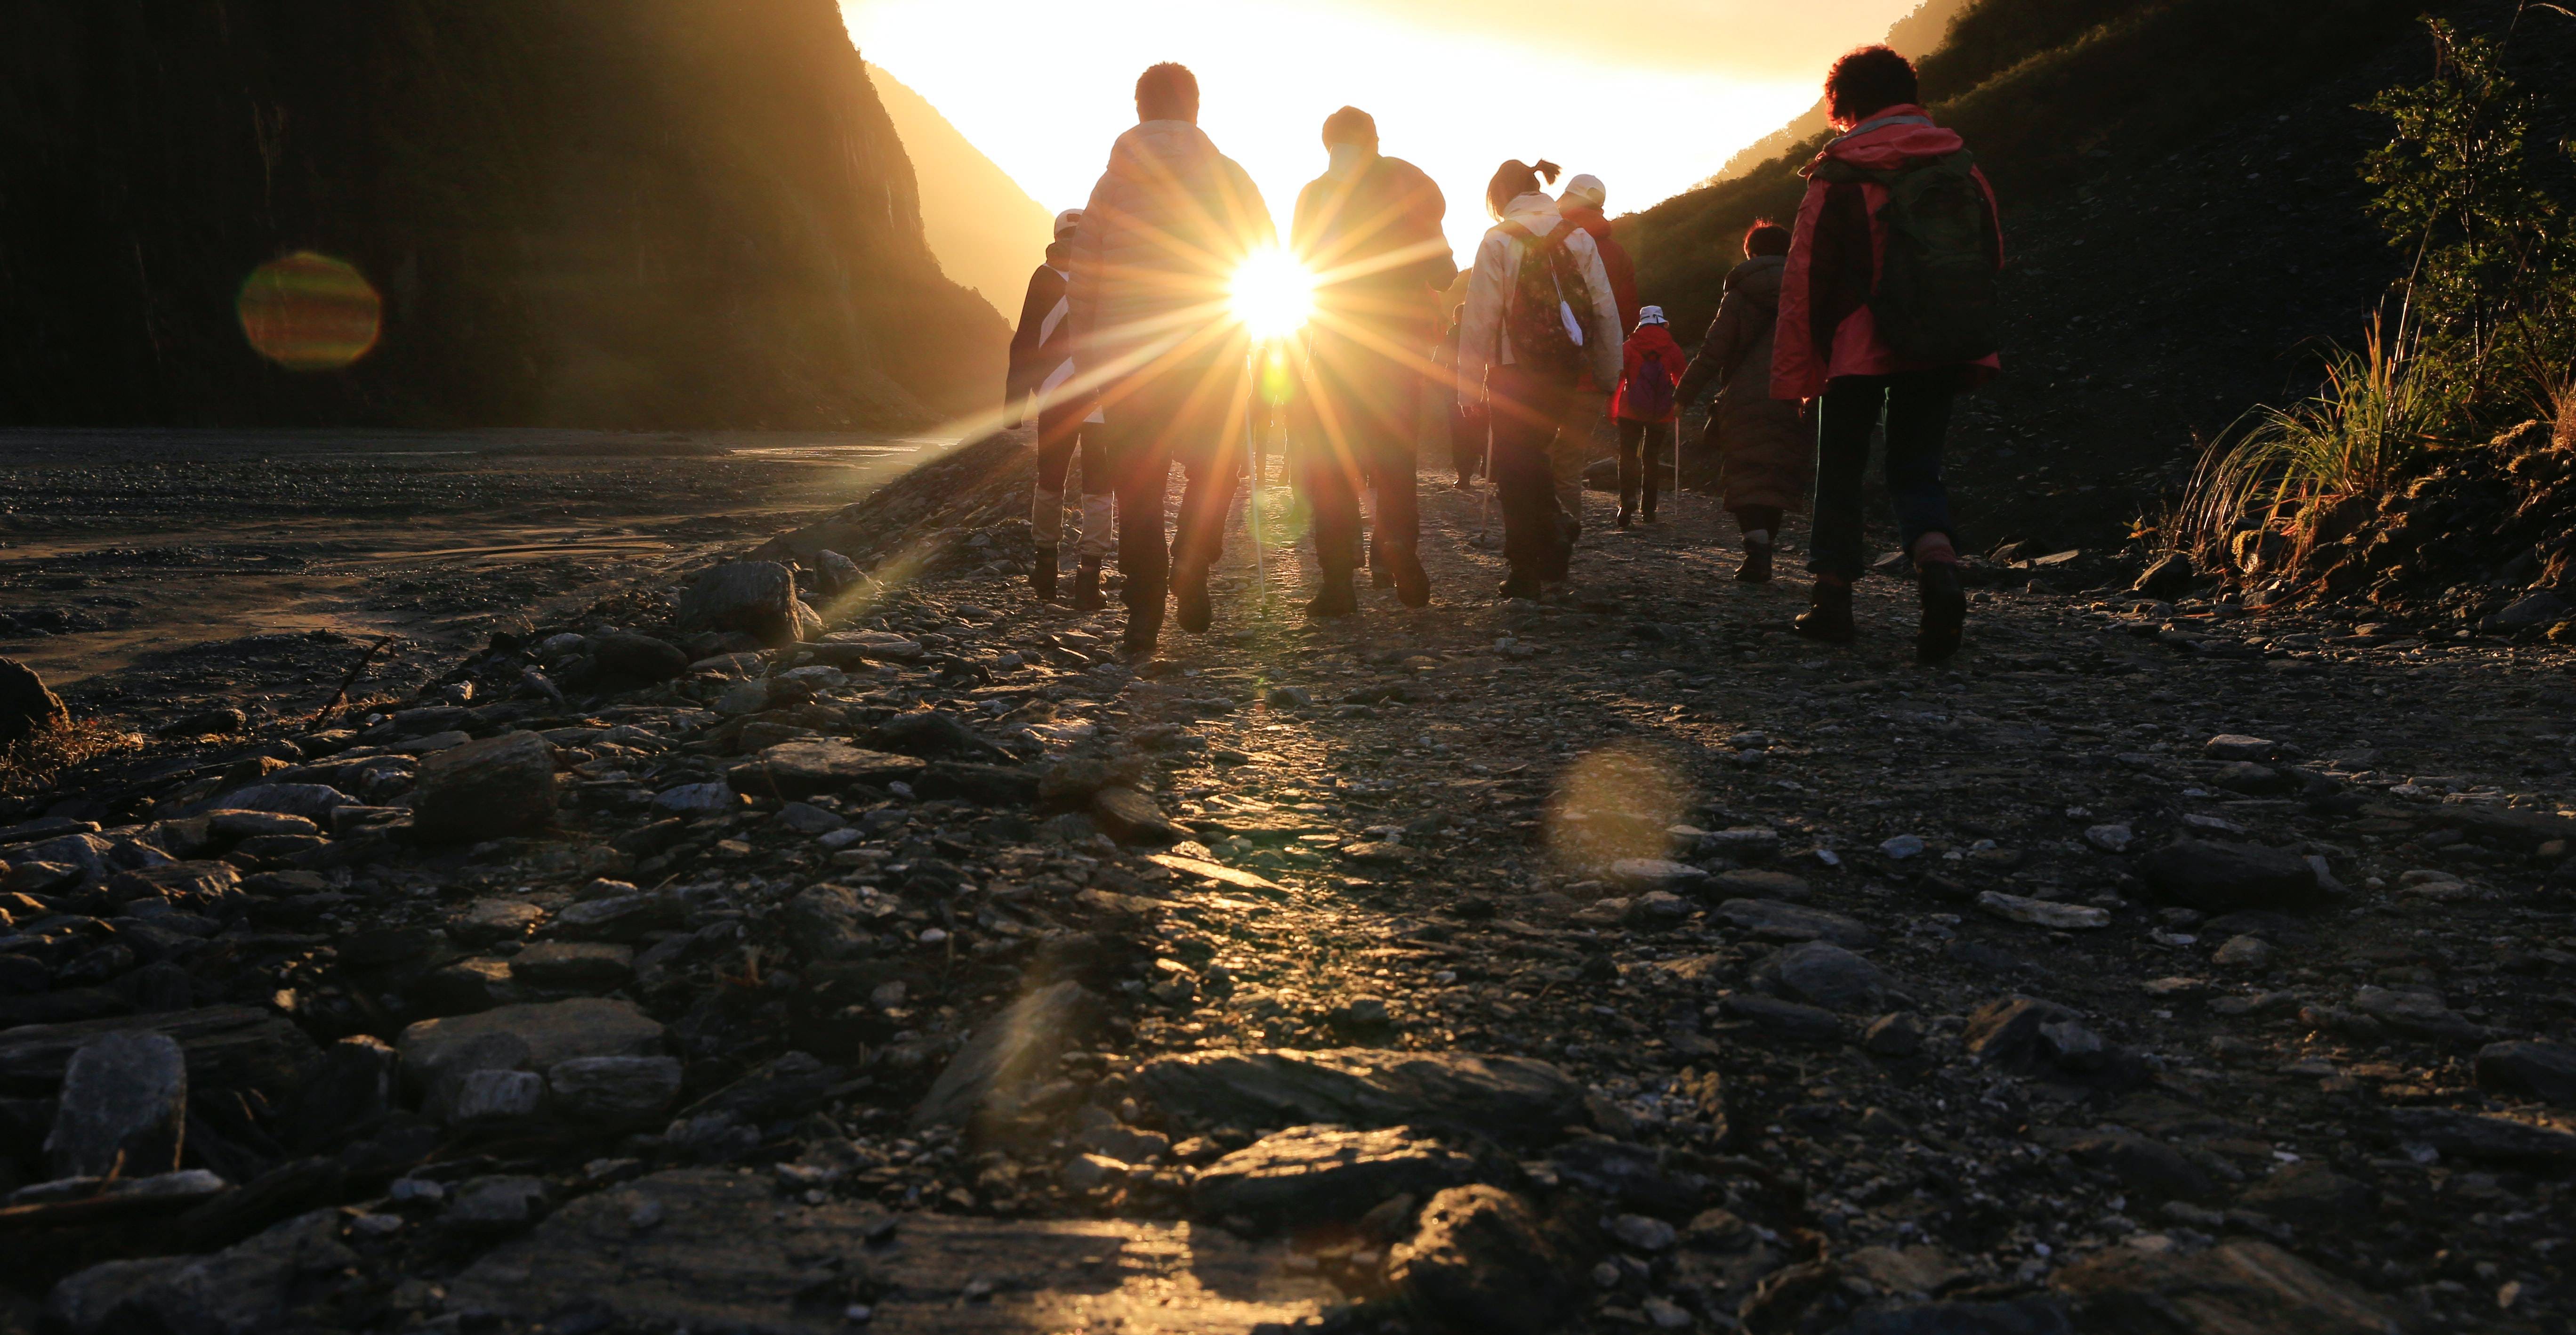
pixel 1039 356
pixel 1826 329
pixel 1482 341
pixel 1657 340
pixel 1166 227
pixel 1766 456
pixel 1373 239
pixel 1614 258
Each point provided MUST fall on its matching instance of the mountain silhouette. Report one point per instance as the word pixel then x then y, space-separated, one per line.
pixel 986 231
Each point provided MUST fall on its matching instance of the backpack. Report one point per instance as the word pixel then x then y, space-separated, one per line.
pixel 1649 395
pixel 1935 296
pixel 1545 312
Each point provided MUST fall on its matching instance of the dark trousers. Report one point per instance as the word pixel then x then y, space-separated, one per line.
pixel 1466 445
pixel 1759 519
pixel 1191 414
pixel 1526 410
pixel 1062 432
pixel 1361 434
pixel 1639 444
pixel 1917 404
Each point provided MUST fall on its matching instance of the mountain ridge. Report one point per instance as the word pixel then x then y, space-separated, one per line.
pixel 987 231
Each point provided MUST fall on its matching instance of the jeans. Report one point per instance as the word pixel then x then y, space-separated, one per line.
pixel 1917 404
pixel 1362 435
pixel 1192 415
pixel 1526 412
pixel 1639 444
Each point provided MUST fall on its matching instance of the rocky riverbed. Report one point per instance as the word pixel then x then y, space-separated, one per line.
pixel 848 942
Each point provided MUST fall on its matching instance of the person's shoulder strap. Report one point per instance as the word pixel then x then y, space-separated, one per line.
pixel 1518 233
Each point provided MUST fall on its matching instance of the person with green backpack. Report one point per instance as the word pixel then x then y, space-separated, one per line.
pixel 1887 308
pixel 1540 314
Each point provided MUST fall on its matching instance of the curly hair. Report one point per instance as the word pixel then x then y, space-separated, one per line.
pixel 1867 81
pixel 1765 237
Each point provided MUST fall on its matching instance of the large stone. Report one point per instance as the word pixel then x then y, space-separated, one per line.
pixel 989 1080
pixel 123 1109
pixel 621 1091
pixel 1512 1099
pixel 1131 817
pixel 2236 1288
pixel 2543 1071
pixel 1773 920
pixel 809 767
pixel 850 648
pixel 487 789
pixel 1784 1019
pixel 2472 1136
pixel 536 1036
pixel 574 966
pixel 757 598
pixel 1481 1263
pixel 234 1047
pixel 625 655
pixel 1310 1175
pixel 710 1249
pixel 27 705
pixel 246 1289
pixel 2217 877
pixel 313 801
pixel 934 735
pixel 1823 974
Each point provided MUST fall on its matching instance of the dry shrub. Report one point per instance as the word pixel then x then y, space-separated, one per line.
pixel 37 761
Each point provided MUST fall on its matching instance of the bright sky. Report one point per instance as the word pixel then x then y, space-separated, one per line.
pixel 1650 98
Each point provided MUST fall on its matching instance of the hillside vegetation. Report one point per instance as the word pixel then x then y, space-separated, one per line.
pixel 656 213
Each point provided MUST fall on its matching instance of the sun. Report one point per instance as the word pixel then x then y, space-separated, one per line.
pixel 1272 294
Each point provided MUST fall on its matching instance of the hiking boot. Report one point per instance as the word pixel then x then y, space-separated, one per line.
pixel 1757 564
pixel 1086 585
pixel 1625 514
pixel 1190 599
pixel 1829 618
pixel 1945 612
pixel 1648 513
pixel 1412 582
pixel 1042 575
pixel 1334 599
pixel 1520 585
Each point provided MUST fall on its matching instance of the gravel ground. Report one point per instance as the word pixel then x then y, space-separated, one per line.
pixel 1618 963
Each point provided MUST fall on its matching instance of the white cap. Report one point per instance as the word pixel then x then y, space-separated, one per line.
pixel 1066 222
pixel 1586 189
pixel 1650 315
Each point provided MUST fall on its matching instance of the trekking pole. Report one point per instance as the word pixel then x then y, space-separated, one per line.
pixel 1252 500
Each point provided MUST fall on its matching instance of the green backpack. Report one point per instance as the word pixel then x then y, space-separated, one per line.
pixel 1935 296
pixel 1544 315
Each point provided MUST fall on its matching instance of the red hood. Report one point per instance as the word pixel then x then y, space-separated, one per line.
pixel 1589 219
pixel 1892 145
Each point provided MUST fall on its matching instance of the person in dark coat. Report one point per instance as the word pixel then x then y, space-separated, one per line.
pixel 1041 366
pixel 1765 453
pixel 1369 230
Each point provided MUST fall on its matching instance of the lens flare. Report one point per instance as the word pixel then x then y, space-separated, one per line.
pixel 1618 802
pixel 309 312
pixel 1273 294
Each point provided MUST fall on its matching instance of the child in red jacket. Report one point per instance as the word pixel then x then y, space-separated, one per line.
pixel 1644 406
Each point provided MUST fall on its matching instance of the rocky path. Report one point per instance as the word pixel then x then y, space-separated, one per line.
pixel 1618 963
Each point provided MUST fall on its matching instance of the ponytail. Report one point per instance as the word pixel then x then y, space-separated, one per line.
pixel 1514 179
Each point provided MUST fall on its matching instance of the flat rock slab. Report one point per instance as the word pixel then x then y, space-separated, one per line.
pixel 224 1046
pixel 728 1253
pixel 1513 1099
pixel 806 768
pixel 532 1037
pixel 1310 1175
pixel 2232 1289
pixel 2215 876
pixel 1773 920
pixel 2472 1136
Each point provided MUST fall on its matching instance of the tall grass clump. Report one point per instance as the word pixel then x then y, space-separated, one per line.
pixel 36 761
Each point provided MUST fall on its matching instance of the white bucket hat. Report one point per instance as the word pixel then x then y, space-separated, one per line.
pixel 1586 190
pixel 1066 222
pixel 1650 315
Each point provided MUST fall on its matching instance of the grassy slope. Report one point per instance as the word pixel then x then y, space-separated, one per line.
pixel 2181 213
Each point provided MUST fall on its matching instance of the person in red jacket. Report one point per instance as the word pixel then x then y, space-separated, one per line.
pixel 1646 408
pixel 1829 348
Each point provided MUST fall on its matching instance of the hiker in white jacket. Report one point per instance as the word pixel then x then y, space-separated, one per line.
pixel 1527 402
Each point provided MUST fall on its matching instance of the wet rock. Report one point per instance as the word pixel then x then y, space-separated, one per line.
pixel 530 1037
pixel 823 765
pixel 1311 1175
pixel 27 705
pixel 1826 975
pixel 2472 1136
pixel 1512 1099
pixel 2233 1289
pixel 756 598
pixel 711 1250
pixel 1482 1262
pixel 2217 877
pixel 2311 1195
pixel 246 1289
pixel 486 789
pixel 123 1108
pixel 2543 1071
pixel 990 1080
pixel 2043 913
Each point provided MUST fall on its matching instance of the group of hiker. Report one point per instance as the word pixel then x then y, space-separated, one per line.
pixel 1875 305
